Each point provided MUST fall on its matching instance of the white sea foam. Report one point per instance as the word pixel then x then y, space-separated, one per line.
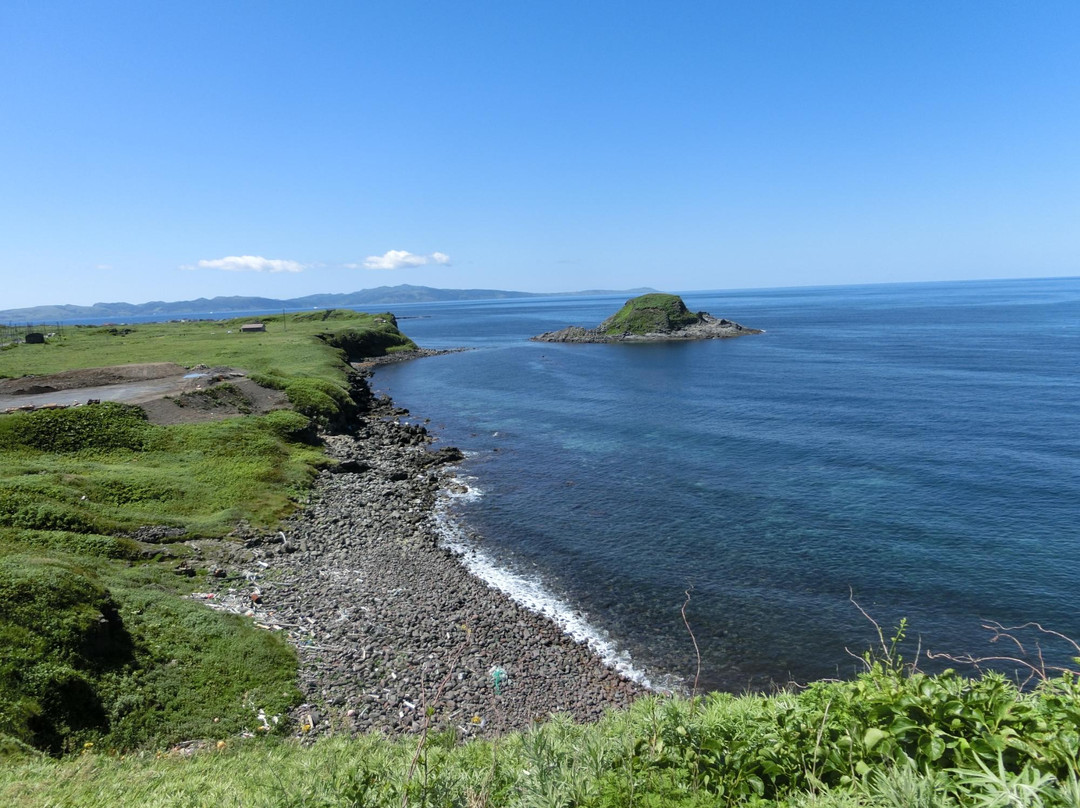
pixel 461 488
pixel 527 591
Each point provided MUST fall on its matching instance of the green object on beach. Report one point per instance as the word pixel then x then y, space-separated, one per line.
pixel 498 677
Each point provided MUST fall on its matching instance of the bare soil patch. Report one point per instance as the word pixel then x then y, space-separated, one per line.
pixel 169 393
pixel 235 396
pixel 90 377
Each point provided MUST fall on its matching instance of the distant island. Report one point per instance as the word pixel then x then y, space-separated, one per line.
pixel 380 296
pixel 652 317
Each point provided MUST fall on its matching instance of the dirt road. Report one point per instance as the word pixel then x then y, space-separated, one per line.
pixel 169 393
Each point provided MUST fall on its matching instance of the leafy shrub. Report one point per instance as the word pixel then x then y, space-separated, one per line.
pixel 126 491
pixel 841 735
pixel 47 516
pixel 40 506
pixel 89 544
pixel 95 426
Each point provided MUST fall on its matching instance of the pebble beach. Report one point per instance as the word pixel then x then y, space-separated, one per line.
pixel 392 631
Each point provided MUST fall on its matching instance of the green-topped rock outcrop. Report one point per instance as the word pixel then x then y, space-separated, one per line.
pixel 652 318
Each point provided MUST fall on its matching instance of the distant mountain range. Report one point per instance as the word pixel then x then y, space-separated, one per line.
pixel 380 296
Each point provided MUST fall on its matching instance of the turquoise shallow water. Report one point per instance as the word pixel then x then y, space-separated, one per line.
pixel 916 445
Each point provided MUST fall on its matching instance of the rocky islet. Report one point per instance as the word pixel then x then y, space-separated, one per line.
pixel 654 317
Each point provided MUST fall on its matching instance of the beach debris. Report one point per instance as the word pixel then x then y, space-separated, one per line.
pixel 499 677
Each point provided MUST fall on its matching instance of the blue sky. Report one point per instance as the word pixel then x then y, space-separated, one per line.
pixel 170 150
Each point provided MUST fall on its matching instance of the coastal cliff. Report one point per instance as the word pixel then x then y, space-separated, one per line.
pixel 652 318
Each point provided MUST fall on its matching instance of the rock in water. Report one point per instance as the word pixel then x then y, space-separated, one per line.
pixel 652 318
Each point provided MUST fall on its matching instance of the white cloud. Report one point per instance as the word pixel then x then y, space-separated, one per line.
pixel 250 263
pixel 401 259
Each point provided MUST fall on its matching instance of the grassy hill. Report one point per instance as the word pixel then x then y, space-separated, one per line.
pixel 649 314
pixel 291 345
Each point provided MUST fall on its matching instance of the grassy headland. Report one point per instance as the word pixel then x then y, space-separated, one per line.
pixel 292 345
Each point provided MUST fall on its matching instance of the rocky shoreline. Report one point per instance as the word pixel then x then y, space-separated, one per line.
pixel 387 623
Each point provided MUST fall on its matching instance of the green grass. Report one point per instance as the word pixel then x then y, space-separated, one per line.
pixel 102 469
pixel 112 654
pixel 99 646
pixel 648 314
pixel 67 584
pixel 292 345
pixel 835 744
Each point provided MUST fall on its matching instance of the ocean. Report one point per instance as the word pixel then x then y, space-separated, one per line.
pixel 914 448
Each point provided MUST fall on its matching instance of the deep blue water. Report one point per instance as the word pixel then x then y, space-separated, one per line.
pixel 917 445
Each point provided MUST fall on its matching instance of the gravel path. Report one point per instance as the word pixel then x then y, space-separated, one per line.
pixel 387 623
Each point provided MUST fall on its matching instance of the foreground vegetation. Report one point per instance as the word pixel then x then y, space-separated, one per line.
pixel 100 643
pixel 888 738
